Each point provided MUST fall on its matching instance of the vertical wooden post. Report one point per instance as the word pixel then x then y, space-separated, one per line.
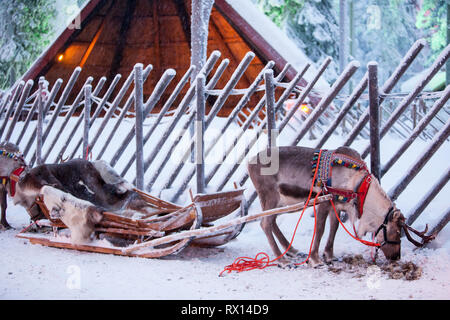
pixel 447 67
pixel 40 121
pixel 199 130
pixel 374 116
pixel 139 121
pixel 201 11
pixel 87 115
pixel 270 104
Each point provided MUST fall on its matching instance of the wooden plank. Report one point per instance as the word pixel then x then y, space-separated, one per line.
pixel 93 43
pixel 118 53
pixel 184 19
pixel 156 40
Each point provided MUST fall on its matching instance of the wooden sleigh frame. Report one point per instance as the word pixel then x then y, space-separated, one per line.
pixel 168 219
pixel 172 229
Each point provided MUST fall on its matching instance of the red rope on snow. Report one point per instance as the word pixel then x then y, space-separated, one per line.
pixel 247 263
pixel 262 260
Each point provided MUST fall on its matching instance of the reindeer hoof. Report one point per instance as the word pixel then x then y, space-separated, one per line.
pixel 297 256
pixel 5 226
pixel 285 264
pixel 316 264
pixel 329 259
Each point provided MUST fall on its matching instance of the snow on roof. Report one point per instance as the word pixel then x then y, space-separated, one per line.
pixel 278 40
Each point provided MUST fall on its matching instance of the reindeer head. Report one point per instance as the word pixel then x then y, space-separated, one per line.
pixel 378 206
pixel 11 158
pixel 389 233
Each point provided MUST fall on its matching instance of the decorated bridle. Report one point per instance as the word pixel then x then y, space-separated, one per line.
pixel 14 177
pixel 327 161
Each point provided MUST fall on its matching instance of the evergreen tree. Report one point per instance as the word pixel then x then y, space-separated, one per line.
pixel 432 18
pixel 384 30
pixel 311 24
pixel 25 29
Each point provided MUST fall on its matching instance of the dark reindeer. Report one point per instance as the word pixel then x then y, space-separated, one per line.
pixel 73 187
pixel 291 184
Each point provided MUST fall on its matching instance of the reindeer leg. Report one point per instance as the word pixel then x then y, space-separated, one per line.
pixel 3 200
pixel 268 224
pixel 334 225
pixel 322 214
pixel 292 252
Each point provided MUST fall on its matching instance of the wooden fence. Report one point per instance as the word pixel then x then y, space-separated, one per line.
pixel 161 154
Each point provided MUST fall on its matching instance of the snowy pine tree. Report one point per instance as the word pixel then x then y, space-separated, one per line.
pixel 432 19
pixel 384 30
pixel 25 28
pixel 311 24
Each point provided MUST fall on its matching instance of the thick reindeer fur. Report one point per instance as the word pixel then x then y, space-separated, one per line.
pixel 93 182
pixel 292 183
pixel 78 215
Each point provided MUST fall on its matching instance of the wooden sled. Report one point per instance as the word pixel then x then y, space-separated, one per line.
pixel 169 231
pixel 115 233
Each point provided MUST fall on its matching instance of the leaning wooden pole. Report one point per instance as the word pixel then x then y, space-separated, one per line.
pixel 210 230
pixel 395 115
pixel 421 161
pixel 18 109
pixel 437 106
pixel 40 121
pixel 441 224
pixel 87 116
pixel 387 87
pixel 428 198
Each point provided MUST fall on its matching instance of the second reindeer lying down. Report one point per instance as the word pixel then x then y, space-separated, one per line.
pixel 77 191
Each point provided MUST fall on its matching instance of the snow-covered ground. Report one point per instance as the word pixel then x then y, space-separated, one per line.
pixel 36 272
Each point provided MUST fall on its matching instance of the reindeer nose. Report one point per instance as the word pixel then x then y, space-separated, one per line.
pixel 396 256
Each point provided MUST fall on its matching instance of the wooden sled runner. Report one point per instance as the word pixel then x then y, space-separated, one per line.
pixel 115 233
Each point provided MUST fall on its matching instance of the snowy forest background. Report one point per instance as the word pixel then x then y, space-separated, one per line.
pixel 381 30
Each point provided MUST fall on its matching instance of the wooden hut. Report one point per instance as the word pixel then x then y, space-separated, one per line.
pixel 114 35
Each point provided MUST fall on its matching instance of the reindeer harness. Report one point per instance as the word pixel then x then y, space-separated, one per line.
pixel 14 177
pixel 324 165
pixel 328 160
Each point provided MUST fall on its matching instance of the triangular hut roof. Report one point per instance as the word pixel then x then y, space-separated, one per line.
pixel 115 35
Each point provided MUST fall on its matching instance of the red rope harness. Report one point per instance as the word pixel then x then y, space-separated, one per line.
pixel 262 260
pixel 248 263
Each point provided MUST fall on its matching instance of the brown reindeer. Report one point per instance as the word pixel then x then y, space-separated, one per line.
pixel 70 188
pixel 10 160
pixel 291 183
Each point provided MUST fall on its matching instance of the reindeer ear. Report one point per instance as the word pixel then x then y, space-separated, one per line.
pixel 398 217
pixel 94 215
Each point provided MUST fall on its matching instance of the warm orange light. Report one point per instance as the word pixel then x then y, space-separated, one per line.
pixel 304 108
pixel 60 57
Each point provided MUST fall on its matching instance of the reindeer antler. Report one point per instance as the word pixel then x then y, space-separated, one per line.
pixel 425 238
pixel 64 160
